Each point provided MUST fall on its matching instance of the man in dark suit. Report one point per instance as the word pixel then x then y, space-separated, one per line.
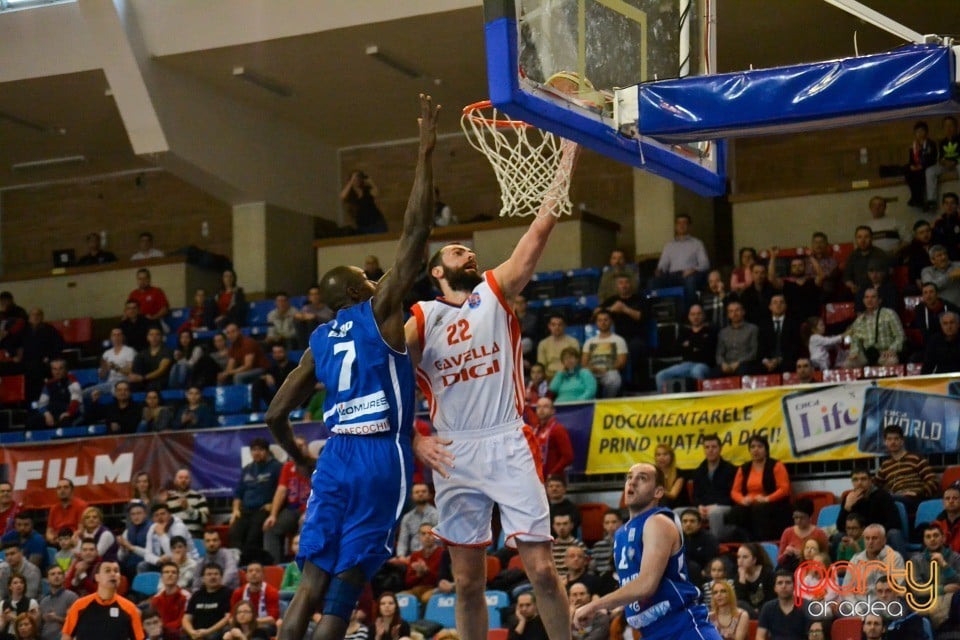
pixel 779 338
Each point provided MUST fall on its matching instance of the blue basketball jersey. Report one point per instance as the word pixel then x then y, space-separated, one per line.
pixel 674 594
pixel 370 387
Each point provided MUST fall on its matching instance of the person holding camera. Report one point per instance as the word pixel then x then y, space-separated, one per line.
pixel 876 336
pixel 358 195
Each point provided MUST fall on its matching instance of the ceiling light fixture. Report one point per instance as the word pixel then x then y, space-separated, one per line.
pixel 374 52
pixel 264 82
pixel 47 162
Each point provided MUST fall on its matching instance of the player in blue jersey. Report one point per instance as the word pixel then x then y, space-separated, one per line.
pixel 363 475
pixel 655 590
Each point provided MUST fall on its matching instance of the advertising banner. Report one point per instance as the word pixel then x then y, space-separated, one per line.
pixel 930 422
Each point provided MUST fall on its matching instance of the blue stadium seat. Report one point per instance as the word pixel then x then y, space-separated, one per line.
pixel 138 396
pixel 147 583
pixel 828 516
pixel 440 609
pixel 234 398
pixel 298 301
pixel 178 317
pixel 577 331
pixel 927 511
pixel 40 435
pixel 294 355
pixel 409 606
pixel 14 437
pixel 496 600
pixel 173 395
pixel 86 377
pixel 259 310
pixel 583 282
pixel 772 551
pixel 297 414
pixel 548 284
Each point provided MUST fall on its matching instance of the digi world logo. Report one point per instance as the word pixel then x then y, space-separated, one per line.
pixel 851 582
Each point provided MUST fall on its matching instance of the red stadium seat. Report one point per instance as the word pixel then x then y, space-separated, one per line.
pixel 901 277
pixel 837 312
pixel 498 634
pixel 841 252
pixel 909 309
pixel 790 377
pixel 591 521
pixel 846 629
pixel 760 382
pixel 719 384
pixel 273 575
pixel 842 375
pixel 13 389
pixel 886 371
pixel 752 630
pixel 820 500
pixel 75 330
pixel 950 475
pixel 493 567
pixel 516 563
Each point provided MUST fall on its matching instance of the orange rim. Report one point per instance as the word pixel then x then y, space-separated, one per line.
pixel 473 112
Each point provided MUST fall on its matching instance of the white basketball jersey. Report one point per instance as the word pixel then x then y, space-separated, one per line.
pixel 470 369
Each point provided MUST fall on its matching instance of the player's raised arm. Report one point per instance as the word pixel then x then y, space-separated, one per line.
pixel 417 223
pixel 294 391
pixel 514 274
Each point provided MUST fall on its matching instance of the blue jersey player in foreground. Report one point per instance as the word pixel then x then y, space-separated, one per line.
pixel 655 591
pixel 363 475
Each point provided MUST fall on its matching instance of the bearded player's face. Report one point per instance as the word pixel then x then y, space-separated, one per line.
pixel 460 268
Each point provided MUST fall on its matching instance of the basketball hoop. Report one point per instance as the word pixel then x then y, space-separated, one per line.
pixel 529 163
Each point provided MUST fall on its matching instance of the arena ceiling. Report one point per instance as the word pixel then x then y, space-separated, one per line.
pixel 341 95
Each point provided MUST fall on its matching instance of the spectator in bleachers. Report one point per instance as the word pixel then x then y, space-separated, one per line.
pixel 207 368
pixel 65 513
pixel 372 268
pixel 946 228
pixel 819 345
pixel 944 273
pixel 803 293
pixel 675 484
pixel 39 345
pixel 876 560
pixel 573 383
pixel 424 566
pixel 887 232
pixel 160 535
pixel 537 386
pixel 16 608
pixel 878 280
pixel 560 504
pixel 216 554
pixel 754 582
pixel 141 488
pixel 389 624
pixel 855 273
pixel 909 626
pixel 156 416
pixel 851 540
pixel 254 494
pixel 778 338
pixel 742 276
pixel 208 611
pixel 263 597
pixel 135 534
pixel 9 508
pixel 185 356
pixel 730 620
pixel 916 255
pixel 556 452
pixel 528 325
pixel 821 252
pixel 134 326
pixel 617 267
pixel 549 349
pixel 926 317
pixel 123 415
pixel 601 554
pixel 95 255
pixel 877 336
pixel 92 528
pixel 737 344
pixel 54 605
pixel 146 250
pixel 761 491
pixel 528 625
pixel 154 306
pixel 698 351
pixel 873 504
pixel 907 476
pixel 281 321
pixel 247 361
pixel 31 543
pixel 265 387
pixel 598 628
pixel 61 400
pixel 289 503
pixel 794 537
pixel 683 262
pixel 626 308
pixel 443 215
pixel 171 601
pixel 949 518
pixel 311 315
pixel 232 306
pixel 699 545
pixel 936 551
pixel 188 504
pixel 942 350
pixel 948 155
pixel 13 320
pixel 605 355
pixel 714 301
pixel 712 486
pixel 803 371
pixel 781 619
pixel 756 298
pixel 151 366
pixel 116 363
pixel 422 513
pixel 564 538
pixel 15 564
pixel 243 624
pixel 922 155
pixel 200 316
pixel 187 565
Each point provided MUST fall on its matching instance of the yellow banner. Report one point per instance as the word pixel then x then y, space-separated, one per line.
pixel 802 423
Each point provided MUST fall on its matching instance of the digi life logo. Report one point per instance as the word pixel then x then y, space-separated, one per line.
pixel 824 418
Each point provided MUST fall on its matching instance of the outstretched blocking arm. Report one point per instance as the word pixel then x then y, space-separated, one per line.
pixel 294 391
pixel 514 274
pixel 417 223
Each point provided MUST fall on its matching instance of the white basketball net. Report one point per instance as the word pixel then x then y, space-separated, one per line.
pixel 528 162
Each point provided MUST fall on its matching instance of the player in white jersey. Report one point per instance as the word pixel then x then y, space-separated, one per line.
pixel 466 347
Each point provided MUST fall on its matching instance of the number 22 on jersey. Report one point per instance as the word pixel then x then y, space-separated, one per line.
pixel 458 332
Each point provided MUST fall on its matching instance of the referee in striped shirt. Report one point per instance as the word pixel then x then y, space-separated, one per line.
pixel 104 615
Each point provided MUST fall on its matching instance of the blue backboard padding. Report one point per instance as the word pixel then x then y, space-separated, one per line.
pixel 909 81
pixel 506 94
